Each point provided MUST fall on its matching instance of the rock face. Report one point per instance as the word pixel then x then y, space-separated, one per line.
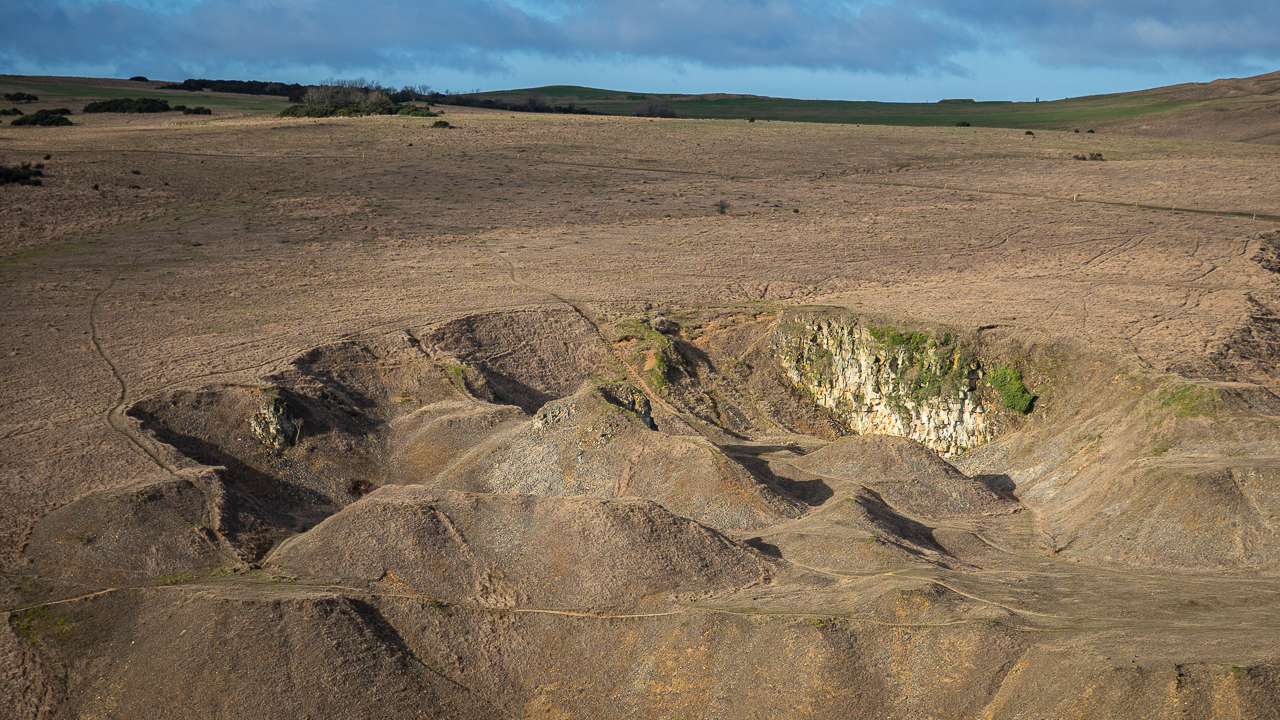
pixel 885 382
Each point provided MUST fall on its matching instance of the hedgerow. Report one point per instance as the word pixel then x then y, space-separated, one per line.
pixel 128 105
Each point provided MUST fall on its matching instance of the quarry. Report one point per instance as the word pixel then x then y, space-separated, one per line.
pixel 358 417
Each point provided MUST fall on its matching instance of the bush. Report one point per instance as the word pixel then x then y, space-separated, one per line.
pixel 45 118
pixel 963 123
pixel 722 206
pixel 244 87
pixel 654 107
pixel 139 78
pixel 198 110
pixel 1008 382
pixel 128 105
pixel 177 108
pixel 441 124
pixel 11 111
pixel 307 111
pixel 1029 133
pixel 20 97
pixel 414 111
pixel 24 175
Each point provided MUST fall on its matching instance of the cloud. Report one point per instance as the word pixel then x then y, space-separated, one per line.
pixel 768 33
pixel 486 38
pixel 1143 34
pixel 480 34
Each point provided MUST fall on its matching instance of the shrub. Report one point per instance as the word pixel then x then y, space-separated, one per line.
pixel 441 124
pixel 307 111
pixel 963 123
pixel 1030 133
pixel 44 118
pixel 655 108
pixel 139 78
pixel 414 111
pixel 1090 132
pixel 292 91
pixel 722 206
pixel 20 97
pixel 23 175
pixel 1008 382
pixel 128 105
pixel 198 110
pixel 11 111
pixel 177 108
pixel 751 119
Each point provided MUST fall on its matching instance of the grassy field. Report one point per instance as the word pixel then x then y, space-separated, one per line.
pixel 1070 114
pixel 58 92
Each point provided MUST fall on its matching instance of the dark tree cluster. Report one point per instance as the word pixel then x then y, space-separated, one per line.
pixel 293 91
pixel 128 105
pixel 198 110
pixel 532 103
pixel 349 98
pixel 45 118
pixel 20 97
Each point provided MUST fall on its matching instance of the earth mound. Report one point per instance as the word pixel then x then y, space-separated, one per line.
pixel 227 652
pixel 907 475
pixel 591 444
pixel 508 551
pixel 526 358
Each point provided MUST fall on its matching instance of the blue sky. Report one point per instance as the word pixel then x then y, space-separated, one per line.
pixel 890 50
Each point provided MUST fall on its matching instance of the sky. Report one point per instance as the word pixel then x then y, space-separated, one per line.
pixel 885 50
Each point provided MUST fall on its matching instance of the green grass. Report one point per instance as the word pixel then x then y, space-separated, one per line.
pixel 1075 113
pixel 1008 382
pixel 1190 401
pixel 53 92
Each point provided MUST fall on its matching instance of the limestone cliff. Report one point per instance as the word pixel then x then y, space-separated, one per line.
pixel 879 380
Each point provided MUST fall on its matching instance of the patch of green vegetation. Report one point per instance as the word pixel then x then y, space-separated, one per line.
pixel 37 623
pixel 658 373
pixel 1008 382
pixel 1189 401
pixel 415 111
pixel 175 578
pixel 927 366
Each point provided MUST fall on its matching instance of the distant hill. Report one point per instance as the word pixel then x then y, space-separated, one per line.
pixel 1229 109
pixel 1234 109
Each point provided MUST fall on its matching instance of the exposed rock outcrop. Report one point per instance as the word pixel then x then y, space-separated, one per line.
pixel 885 382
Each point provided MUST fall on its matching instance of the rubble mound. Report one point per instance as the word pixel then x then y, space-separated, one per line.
pixel 909 476
pixel 508 551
